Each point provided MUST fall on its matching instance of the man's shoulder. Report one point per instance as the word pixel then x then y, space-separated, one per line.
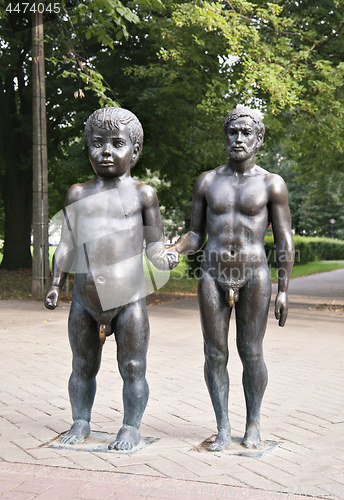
pixel 204 180
pixel 277 188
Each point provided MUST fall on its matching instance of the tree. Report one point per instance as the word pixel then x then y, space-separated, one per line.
pixel 180 71
pixel 15 138
pixel 186 66
pixel 40 257
pixel 312 204
pixel 99 22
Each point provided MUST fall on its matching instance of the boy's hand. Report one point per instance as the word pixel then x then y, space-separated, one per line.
pixel 165 260
pixel 172 257
pixel 52 298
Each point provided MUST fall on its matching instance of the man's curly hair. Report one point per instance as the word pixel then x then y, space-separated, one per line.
pixel 240 111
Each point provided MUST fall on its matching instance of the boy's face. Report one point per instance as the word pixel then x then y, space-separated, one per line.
pixel 111 152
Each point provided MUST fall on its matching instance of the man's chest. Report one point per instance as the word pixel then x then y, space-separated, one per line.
pixel 230 194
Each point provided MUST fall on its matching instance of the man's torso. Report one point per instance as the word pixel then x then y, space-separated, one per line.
pixel 237 219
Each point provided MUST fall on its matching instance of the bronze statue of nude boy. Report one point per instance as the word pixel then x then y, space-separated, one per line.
pixel 106 220
pixel 234 205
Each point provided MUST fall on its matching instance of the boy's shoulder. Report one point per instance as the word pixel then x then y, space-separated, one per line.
pixel 78 191
pixel 147 194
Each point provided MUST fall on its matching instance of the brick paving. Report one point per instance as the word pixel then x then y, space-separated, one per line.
pixel 303 407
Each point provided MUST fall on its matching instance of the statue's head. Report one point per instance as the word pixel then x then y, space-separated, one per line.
pixel 115 118
pixel 250 123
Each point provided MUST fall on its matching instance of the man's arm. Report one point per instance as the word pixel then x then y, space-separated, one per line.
pixel 64 255
pixel 279 214
pixel 193 240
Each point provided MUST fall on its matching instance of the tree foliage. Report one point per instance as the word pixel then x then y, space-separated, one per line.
pixel 99 22
pixel 185 67
pixel 312 204
pixel 180 69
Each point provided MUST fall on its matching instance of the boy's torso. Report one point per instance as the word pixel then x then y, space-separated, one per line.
pixel 108 230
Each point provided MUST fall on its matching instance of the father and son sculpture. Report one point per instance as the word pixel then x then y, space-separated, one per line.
pixel 106 222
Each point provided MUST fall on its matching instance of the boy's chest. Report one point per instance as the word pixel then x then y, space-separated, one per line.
pixel 106 213
pixel 245 195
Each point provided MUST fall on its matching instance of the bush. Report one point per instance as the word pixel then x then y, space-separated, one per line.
pixel 308 249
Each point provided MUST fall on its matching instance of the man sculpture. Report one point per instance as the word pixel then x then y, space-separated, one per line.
pixel 233 205
pixel 106 220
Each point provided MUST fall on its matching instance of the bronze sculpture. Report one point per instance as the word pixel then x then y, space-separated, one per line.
pixel 106 220
pixel 234 205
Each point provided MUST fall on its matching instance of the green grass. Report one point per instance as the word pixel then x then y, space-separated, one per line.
pixel 318 266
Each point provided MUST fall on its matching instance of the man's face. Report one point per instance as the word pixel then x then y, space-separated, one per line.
pixel 241 139
pixel 111 152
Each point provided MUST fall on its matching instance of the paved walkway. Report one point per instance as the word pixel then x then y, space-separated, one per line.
pixel 303 407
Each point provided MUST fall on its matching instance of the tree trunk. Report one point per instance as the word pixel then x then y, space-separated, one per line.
pixel 17 197
pixel 40 267
pixel 16 170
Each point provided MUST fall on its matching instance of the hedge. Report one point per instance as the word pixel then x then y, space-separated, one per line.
pixel 307 249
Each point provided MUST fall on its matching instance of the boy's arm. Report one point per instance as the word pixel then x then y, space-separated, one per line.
pixel 281 226
pixel 153 231
pixel 63 257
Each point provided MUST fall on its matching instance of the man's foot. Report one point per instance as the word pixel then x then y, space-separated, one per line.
pixel 222 440
pixel 127 438
pixel 77 433
pixel 252 437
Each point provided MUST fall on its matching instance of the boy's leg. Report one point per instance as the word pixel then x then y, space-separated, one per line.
pixel 251 317
pixel 86 349
pixel 132 335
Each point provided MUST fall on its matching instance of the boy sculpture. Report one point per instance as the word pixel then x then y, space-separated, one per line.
pixel 106 220
pixel 234 205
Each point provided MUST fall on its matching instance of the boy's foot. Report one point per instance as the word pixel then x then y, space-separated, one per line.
pixel 252 437
pixel 127 438
pixel 77 433
pixel 222 440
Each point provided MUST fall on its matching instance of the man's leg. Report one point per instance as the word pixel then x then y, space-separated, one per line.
pixel 132 335
pixel 215 314
pixel 251 317
pixel 86 349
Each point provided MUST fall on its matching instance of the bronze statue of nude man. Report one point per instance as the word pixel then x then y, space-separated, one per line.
pixel 233 205
pixel 106 220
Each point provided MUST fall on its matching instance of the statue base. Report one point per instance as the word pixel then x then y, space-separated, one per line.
pixel 99 442
pixel 237 448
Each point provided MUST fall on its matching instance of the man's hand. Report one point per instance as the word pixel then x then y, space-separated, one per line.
pixel 281 308
pixel 52 297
